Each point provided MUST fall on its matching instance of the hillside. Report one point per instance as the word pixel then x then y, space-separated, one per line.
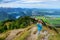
pixel 13 13
pixel 5 16
pixel 30 33
pixel 24 28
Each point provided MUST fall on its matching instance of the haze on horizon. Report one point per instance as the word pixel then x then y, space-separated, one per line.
pixel 30 4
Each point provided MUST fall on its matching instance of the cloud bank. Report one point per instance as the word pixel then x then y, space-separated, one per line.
pixel 30 3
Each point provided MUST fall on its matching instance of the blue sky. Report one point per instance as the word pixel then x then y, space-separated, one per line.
pixel 30 3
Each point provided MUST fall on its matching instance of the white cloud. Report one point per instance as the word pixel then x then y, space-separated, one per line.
pixel 21 5
pixel 33 1
pixel 7 0
pixel 55 0
pixel 38 0
pixel 30 3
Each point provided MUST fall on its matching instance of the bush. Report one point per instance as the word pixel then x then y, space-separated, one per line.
pixel 21 22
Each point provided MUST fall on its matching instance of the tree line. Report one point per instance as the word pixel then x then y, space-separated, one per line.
pixel 21 22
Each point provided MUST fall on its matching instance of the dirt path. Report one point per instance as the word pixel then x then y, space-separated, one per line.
pixel 34 35
pixel 13 33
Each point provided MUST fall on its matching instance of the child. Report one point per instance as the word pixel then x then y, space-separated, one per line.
pixel 39 26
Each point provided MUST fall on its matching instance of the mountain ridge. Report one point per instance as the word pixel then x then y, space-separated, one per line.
pixel 13 13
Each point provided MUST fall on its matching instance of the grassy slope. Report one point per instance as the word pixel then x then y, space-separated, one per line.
pixel 4 35
pixel 52 21
pixel 52 37
pixel 24 34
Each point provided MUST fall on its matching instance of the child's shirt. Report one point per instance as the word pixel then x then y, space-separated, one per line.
pixel 39 26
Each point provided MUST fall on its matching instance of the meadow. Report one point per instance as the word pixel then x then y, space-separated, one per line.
pixel 53 21
pixel 16 24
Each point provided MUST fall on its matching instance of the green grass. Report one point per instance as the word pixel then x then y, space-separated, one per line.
pixel 54 37
pixel 49 20
pixel 24 34
pixel 4 35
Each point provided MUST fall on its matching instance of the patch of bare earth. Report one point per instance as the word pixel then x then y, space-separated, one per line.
pixel 13 33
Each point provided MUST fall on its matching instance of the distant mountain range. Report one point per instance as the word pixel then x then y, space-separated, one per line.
pixel 13 13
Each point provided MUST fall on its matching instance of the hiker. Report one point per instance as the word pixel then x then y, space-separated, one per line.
pixel 39 26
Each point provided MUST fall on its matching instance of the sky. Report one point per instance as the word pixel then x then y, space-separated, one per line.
pixel 30 3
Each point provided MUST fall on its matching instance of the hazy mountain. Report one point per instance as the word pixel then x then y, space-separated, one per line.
pixel 5 16
pixel 13 13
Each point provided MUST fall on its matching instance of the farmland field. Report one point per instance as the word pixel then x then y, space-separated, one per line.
pixel 54 21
